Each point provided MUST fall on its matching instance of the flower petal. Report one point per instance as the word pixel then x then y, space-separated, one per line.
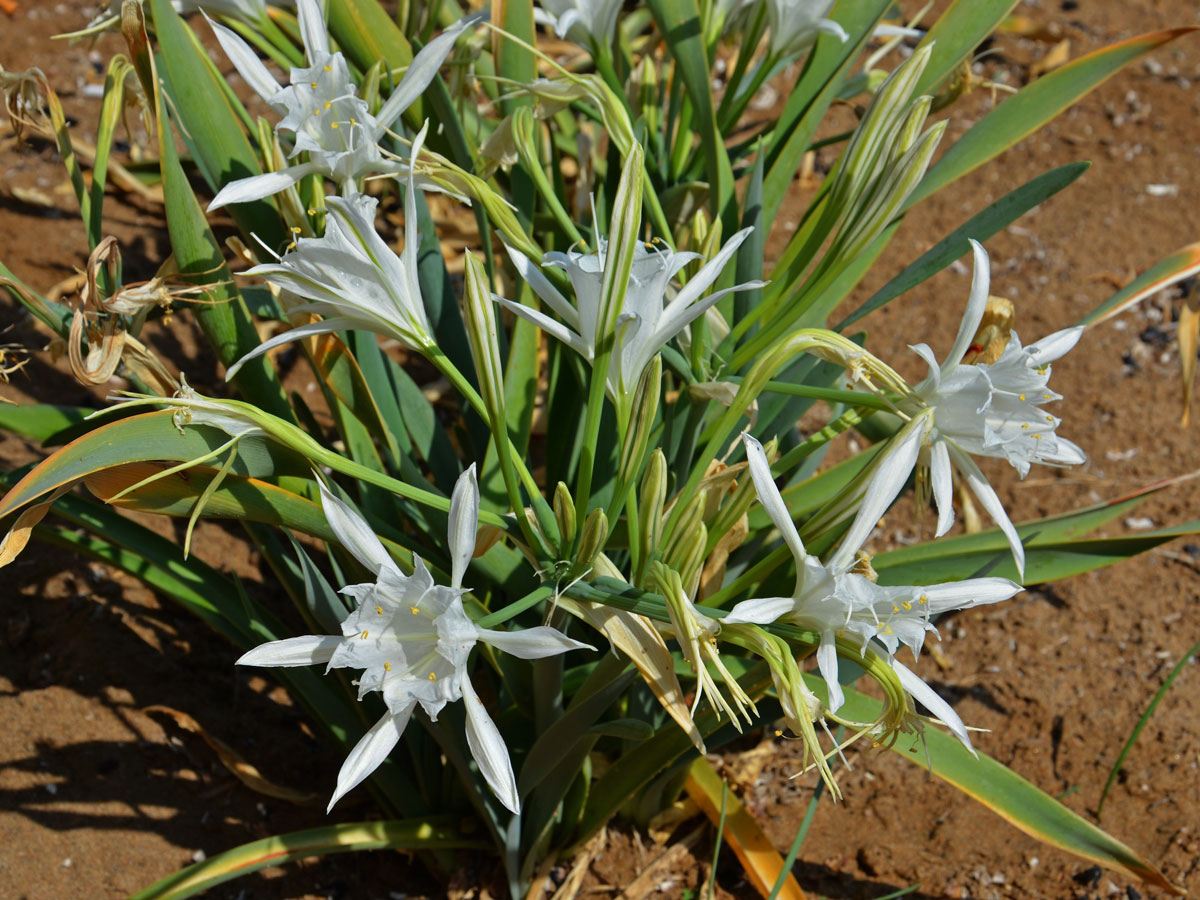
pixel 244 190
pixel 312 29
pixel 772 500
pixel 422 70
pixel 759 611
pixel 553 328
pixel 929 698
pixel 965 594
pixel 371 750
pixel 943 486
pixel 246 61
pixel 354 533
pixel 986 495
pixel 543 287
pixel 1052 346
pixel 322 327
pixel 306 650
pixel 895 464
pixel 489 749
pixel 828 665
pixel 532 643
pixel 973 314
pixel 463 524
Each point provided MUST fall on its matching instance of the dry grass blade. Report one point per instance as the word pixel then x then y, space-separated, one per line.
pixel 246 773
pixel 1188 334
pixel 760 860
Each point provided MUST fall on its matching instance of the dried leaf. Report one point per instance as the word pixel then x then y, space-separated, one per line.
pixel 18 536
pixel 1189 330
pixel 231 760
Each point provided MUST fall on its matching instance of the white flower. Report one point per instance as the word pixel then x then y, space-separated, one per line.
pixel 581 20
pixel 992 409
pixel 795 25
pixel 321 110
pixel 351 277
pixel 647 321
pixel 835 601
pixel 412 639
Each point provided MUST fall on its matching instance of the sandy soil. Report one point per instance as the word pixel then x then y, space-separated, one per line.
pixel 101 798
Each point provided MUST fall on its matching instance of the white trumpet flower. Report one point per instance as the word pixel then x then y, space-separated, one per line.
pixel 352 278
pixel 321 110
pixel 412 639
pixel 992 409
pixel 648 319
pixel 834 600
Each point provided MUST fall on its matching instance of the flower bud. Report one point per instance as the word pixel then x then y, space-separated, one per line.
pixel 641 421
pixel 651 499
pixel 595 533
pixel 564 514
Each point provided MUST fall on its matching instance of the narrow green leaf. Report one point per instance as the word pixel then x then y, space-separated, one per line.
pixel 350 837
pixel 1141 724
pixel 38 421
pixel 981 226
pixel 1006 793
pixel 1179 265
pixel 1033 106
pixel 679 23
pixel 956 34
pixel 151 436
pixel 210 127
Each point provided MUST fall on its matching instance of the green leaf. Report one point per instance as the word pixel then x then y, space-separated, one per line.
pixel 326 607
pixel 1006 793
pixel 1033 106
pixel 38 421
pixel 679 23
pixel 981 226
pixel 1141 724
pixel 1179 265
pixel 956 34
pixel 818 85
pixel 396 834
pixel 151 436
pixel 209 125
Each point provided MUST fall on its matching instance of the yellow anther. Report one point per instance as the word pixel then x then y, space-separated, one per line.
pixel 778 733
pixel 649 246
pixel 328 103
pixel 923 599
pixel 292 245
pixel 353 121
pixel 841 634
pixel 1037 437
pixel 1020 396
pixel 314 85
pixel 1025 425
pixel 329 68
pixel 413 610
pixel 312 212
pixel 334 125
pixel 387 667
pixel 364 634
pixel 1050 419
pixel 295 229
pixel 379 610
pixel 907 604
pixel 316 112
pixel 433 676
pixel 895 608
pixel 1047 396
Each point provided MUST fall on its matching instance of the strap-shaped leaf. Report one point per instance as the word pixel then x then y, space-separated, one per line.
pixel 151 436
pixel 273 851
pixel 1176 267
pixel 1007 794
pixel 1034 105
pixel 956 33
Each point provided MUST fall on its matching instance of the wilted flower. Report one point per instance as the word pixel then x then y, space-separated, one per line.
pixel 321 110
pixel 352 278
pixel 412 640
pixel 836 601
pixel 648 320
pixel 992 409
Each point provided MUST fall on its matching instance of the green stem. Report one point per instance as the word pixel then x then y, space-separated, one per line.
pixel 851 398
